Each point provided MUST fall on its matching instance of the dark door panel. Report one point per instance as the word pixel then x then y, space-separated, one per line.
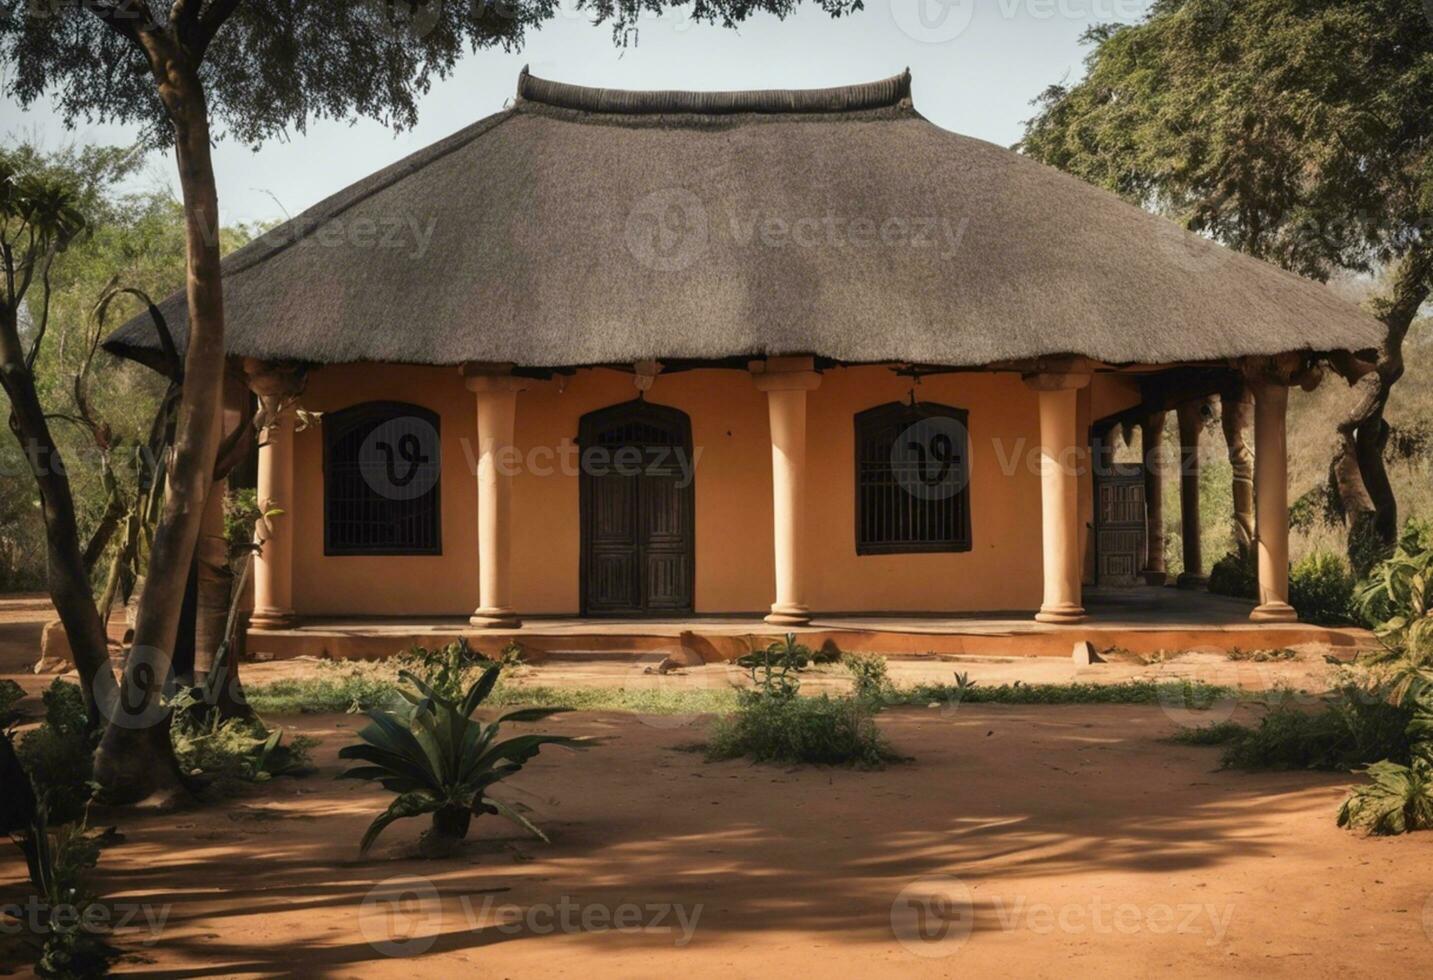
pixel 638 511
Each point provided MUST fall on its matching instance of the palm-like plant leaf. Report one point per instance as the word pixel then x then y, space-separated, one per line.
pixel 406 805
pixel 502 809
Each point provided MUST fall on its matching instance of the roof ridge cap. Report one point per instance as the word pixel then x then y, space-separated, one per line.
pixel 882 94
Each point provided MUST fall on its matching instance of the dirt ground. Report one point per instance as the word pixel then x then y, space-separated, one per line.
pixel 1049 841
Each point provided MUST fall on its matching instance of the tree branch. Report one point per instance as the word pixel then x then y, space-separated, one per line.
pixel 215 14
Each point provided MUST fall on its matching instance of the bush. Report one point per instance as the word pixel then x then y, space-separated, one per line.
pixel 11 694
pixel 1321 588
pixel 448 670
pixel 819 731
pixel 1235 576
pixel 59 754
pixel 1355 726
pixel 868 672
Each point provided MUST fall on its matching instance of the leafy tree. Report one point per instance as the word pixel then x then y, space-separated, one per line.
pixel 1298 131
pixel 256 68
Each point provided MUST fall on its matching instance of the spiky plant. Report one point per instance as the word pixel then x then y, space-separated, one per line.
pixel 442 761
pixel 1396 799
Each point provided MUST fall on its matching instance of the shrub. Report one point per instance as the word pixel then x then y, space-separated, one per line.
pixel 1321 589
pixel 239 750
pixel 441 761
pixel 1184 694
pixel 774 669
pixel 59 754
pixel 868 672
pixel 1397 598
pixel 1396 800
pixel 11 694
pixel 1220 733
pixel 1355 726
pixel 1235 576
pixel 448 670
pixel 820 731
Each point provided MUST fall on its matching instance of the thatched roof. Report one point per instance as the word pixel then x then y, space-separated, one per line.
pixel 592 226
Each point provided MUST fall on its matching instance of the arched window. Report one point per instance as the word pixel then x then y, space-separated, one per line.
pixel 381 480
pixel 912 479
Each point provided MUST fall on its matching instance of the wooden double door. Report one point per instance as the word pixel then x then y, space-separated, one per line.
pixel 1121 531
pixel 638 502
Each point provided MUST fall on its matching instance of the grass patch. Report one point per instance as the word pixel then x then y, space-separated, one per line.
pixel 1347 732
pixel 813 730
pixel 1220 733
pixel 365 689
pixel 1175 694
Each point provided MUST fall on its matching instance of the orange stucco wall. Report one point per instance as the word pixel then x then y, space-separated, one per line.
pixel 733 496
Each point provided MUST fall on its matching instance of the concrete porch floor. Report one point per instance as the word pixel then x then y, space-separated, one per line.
pixel 1138 620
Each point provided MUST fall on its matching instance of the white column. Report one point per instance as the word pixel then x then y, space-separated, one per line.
pixel 1271 502
pixel 495 391
pixel 1061 463
pixel 786 380
pixel 276 386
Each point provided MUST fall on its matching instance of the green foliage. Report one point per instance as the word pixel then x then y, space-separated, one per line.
pixel 11 694
pixel 1397 598
pixel 449 670
pixel 1321 588
pixel 1353 727
pixel 774 669
pixel 1397 799
pixel 1235 575
pixel 512 655
pixel 60 860
pixel 59 754
pixel 1195 695
pixel 791 729
pixel 868 673
pixel 1219 733
pixel 441 761
pixel 237 750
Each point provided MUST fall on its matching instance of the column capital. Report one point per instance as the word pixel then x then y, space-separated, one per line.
pixel 1057 380
pixel 495 378
pixel 275 379
pixel 785 374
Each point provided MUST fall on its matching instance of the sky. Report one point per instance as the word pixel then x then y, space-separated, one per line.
pixel 976 66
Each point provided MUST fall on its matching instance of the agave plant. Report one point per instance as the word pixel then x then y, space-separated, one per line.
pixel 442 761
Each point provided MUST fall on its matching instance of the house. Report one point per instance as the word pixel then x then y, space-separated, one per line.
pixel 611 354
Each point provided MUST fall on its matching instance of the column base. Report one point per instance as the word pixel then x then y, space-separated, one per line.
pixel 789 615
pixel 1061 614
pixel 1156 578
pixel 273 619
pixel 1274 612
pixel 1193 582
pixel 494 619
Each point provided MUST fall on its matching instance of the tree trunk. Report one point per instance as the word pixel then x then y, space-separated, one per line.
pixel 1358 474
pixel 136 757
pixel 67 574
pixel 1236 416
